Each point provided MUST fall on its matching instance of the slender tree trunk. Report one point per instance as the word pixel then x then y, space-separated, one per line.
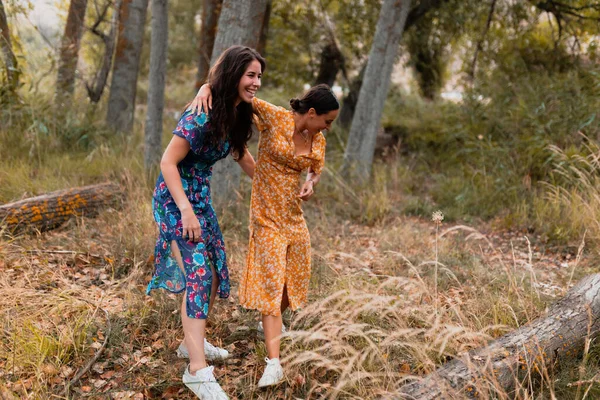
pixel 211 9
pixel 156 88
pixel 96 88
pixel 358 157
pixel 69 50
pixel 121 102
pixel 479 46
pixel 518 358
pixel 240 23
pixel 331 63
pixel 261 47
pixel 349 103
pixel 10 61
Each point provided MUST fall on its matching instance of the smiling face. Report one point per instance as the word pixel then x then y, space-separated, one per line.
pixel 316 123
pixel 250 82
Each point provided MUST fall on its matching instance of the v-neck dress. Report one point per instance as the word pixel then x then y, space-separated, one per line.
pixel 195 171
pixel 279 247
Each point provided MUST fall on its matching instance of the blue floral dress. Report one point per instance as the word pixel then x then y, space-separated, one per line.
pixel 195 171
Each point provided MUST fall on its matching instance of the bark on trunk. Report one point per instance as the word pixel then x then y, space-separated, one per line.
pixel 156 83
pixel 261 47
pixel 349 103
pixel 10 61
pixel 53 209
pixel 517 359
pixel 96 89
pixel 240 23
pixel 331 63
pixel 360 149
pixel 211 9
pixel 121 102
pixel 69 50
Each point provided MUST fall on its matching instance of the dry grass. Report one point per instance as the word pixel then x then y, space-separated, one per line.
pixel 373 319
pixel 391 296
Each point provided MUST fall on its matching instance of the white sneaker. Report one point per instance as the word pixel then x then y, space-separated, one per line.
pixel 211 352
pixel 203 384
pixel 273 373
pixel 261 330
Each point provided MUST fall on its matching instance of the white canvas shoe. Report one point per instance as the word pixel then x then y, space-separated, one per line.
pixel 273 373
pixel 261 330
pixel 203 384
pixel 211 352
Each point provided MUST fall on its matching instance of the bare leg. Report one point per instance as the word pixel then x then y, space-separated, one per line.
pixel 213 289
pixel 272 326
pixel 193 329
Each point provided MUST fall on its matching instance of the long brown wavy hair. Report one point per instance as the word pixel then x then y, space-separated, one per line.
pixel 224 78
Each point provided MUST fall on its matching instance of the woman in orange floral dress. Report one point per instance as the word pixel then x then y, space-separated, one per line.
pixel 278 264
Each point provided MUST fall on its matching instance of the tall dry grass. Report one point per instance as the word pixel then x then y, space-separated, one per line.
pixel 391 296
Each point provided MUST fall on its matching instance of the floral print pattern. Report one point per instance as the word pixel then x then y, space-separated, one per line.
pixel 279 248
pixel 195 171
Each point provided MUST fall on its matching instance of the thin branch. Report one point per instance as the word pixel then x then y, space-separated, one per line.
pixel 333 39
pixel 65 252
pixel 479 46
pixel 87 367
pixel 99 20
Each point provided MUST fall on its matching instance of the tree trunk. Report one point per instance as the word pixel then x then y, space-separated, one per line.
pixel 517 359
pixel 69 51
pixel 121 102
pixel 349 103
pixel 156 83
pixel 211 9
pixel 360 149
pixel 261 47
pixel 331 63
pixel 96 89
pixel 51 210
pixel 10 61
pixel 240 23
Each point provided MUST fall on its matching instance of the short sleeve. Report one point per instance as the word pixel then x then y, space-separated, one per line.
pixel 319 144
pixel 192 127
pixel 267 114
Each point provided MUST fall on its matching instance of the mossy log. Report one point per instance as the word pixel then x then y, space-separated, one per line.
pixel 521 358
pixel 51 210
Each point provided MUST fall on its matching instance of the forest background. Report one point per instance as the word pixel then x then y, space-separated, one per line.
pixel 461 196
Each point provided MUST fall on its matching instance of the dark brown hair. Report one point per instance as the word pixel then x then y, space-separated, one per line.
pixel 319 97
pixel 224 78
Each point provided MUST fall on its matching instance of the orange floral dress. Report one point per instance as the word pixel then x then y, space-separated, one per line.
pixel 279 248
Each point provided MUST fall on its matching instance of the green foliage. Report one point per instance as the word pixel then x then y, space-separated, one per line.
pixel 299 29
pixel 430 41
pixel 184 29
pixel 485 156
pixel 428 57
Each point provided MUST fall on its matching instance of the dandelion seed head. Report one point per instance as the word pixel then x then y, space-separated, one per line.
pixel 437 217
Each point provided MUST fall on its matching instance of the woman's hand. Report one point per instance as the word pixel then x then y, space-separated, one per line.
pixel 191 226
pixel 203 100
pixel 307 190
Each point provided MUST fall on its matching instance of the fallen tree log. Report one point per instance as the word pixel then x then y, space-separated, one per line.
pixel 51 210
pixel 521 359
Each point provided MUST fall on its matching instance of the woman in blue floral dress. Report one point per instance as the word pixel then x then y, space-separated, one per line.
pixel 190 253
